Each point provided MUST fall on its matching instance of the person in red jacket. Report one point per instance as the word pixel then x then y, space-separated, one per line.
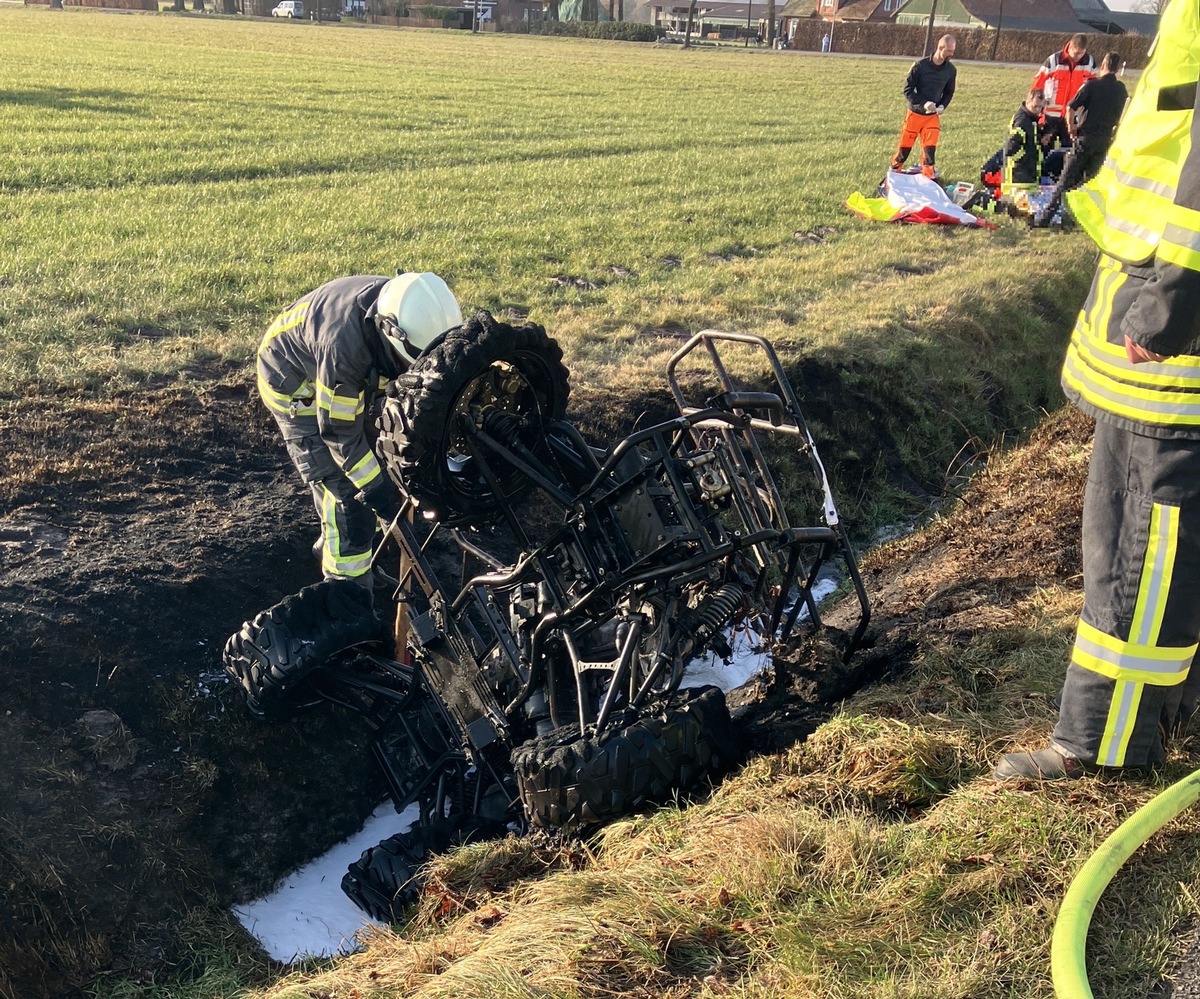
pixel 1059 79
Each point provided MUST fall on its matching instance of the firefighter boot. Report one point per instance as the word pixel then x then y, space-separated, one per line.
pixel 1042 764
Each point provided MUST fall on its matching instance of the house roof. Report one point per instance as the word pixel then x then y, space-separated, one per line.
pixel 799 8
pixel 859 10
pixel 1034 15
pixel 1124 21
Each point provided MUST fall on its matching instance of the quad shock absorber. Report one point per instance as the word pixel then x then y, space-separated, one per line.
pixel 704 621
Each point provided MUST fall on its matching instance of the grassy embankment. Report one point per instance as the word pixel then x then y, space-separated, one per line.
pixel 169 183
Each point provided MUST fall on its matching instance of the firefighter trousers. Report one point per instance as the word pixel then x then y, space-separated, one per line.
pixel 1129 683
pixel 347 524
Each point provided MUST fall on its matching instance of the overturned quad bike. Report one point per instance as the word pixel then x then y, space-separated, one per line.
pixel 550 595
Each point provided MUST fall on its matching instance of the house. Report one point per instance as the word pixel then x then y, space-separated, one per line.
pixel 717 19
pixel 1021 15
pixel 879 11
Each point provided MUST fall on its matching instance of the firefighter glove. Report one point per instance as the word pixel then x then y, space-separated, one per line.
pixel 383 499
pixel 930 107
pixel 941 108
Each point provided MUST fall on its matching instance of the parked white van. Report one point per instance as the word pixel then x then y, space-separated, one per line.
pixel 288 8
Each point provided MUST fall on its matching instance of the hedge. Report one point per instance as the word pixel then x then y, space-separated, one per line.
pixel 112 4
pixel 973 43
pixel 623 31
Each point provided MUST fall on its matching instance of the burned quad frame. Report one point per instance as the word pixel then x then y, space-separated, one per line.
pixel 545 655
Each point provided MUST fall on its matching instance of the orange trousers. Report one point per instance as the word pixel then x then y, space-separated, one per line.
pixel 923 128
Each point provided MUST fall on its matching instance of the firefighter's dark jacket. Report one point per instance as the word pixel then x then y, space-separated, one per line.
pixel 1023 150
pixel 929 82
pixel 323 357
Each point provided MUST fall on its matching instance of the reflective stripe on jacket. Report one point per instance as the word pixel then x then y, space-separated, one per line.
pixel 1143 211
pixel 1161 400
pixel 1023 150
pixel 1059 80
pixel 1130 207
pixel 323 357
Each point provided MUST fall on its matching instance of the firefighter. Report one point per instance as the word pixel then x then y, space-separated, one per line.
pixel 1019 160
pixel 323 363
pixel 928 91
pixel 1134 364
pixel 1059 79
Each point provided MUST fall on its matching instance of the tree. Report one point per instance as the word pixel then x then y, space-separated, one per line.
pixel 1151 6
pixel 770 24
pixel 996 37
pixel 687 35
pixel 929 29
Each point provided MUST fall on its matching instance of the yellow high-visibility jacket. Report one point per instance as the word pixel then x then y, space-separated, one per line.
pixel 1143 211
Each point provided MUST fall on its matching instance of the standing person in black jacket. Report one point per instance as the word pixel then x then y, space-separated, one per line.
pixel 927 92
pixel 1092 117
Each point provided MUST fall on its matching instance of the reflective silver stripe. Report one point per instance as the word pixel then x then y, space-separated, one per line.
pixel 1094 383
pixel 1151 588
pixel 1187 375
pixel 340 407
pixel 1125 692
pixel 333 561
pixel 1189 239
pixel 1127 179
pixel 1131 229
pixel 365 472
pixel 1127 660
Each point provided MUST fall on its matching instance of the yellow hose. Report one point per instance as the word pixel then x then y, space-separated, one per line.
pixel 1068 967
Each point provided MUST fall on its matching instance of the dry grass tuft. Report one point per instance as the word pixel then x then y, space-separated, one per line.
pixel 880 764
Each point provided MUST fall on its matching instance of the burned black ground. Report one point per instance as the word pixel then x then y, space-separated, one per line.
pixel 138 800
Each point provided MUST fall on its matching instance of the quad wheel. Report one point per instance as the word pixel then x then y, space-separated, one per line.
pixel 387 880
pixel 383 882
pixel 569 782
pixel 510 377
pixel 275 652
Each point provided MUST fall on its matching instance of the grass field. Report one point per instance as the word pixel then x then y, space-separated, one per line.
pixel 171 183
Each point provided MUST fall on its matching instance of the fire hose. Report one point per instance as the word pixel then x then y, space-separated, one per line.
pixel 1068 966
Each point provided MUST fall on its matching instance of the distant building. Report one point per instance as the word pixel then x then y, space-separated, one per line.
pixel 857 11
pixel 724 21
pixel 878 11
pixel 1018 15
pixel 1096 15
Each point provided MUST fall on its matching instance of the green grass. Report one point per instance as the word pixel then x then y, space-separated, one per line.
pixel 170 183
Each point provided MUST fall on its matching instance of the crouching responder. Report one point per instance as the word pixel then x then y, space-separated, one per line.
pixel 1019 160
pixel 323 363
pixel 1134 365
pixel 928 91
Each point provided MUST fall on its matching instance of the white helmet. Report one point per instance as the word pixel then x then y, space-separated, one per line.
pixel 414 309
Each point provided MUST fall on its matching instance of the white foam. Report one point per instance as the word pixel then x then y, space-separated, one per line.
pixel 307 914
